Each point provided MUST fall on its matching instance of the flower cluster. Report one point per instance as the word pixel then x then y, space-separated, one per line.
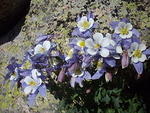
pixel 32 73
pixel 91 56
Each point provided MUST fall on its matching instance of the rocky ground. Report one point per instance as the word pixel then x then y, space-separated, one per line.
pixel 58 17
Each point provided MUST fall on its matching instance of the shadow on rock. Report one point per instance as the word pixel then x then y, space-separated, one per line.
pixel 12 18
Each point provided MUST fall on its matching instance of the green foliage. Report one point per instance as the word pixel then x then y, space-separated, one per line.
pixel 98 96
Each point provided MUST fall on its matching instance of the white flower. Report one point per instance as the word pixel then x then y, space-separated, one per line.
pixel 32 81
pixel 42 48
pixel 84 23
pixel 81 43
pixel 135 52
pixel 98 45
pixel 124 30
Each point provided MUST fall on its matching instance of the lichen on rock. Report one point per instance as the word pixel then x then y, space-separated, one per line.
pixel 59 17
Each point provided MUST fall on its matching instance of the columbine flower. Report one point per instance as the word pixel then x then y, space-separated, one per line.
pixel 42 48
pixel 85 23
pixel 32 82
pixel 75 70
pixel 79 78
pixel 136 52
pixel 12 69
pixel 84 26
pixel 14 76
pixel 98 45
pixel 124 30
pixel 81 43
pixel 77 44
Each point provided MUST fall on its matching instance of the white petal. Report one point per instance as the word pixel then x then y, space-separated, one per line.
pixel 82 29
pixel 91 22
pixel 116 57
pixel 27 90
pixel 121 24
pixel 28 79
pixel 142 47
pixel 81 74
pixel 72 82
pixel 12 78
pixel 143 58
pixel 123 36
pixel 119 49
pixel 104 52
pixel 129 26
pixel 129 35
pixel 47 45
pixel 34 76
pixel 80 84
pixel 134 59
pixel 108 35
pixel 134 46
pixel 39 81
pixel 89 43
pixel 37 48
pixel 84 18
pixel 74 75
pixel 92 51
pixel 79 24
pixel 98 37
pixel 129 52
pixel 34 89
pixel 117 30
pixel 35 72
pixel 67 58
pixel 105 42
pixel 113 43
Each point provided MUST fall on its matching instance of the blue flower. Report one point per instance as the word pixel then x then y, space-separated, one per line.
pixel 84 26
pixel 123 30
pixel 136 52
pixel 42 48
pixel 12 69
pixel 32 82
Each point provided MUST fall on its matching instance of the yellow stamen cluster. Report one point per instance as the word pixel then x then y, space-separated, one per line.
pixel 32 83
pixel 85 24
pixel 137 53
pixel 42 50
pixel 99 64
pixel 81 43
pixel 124 31
pixel 78 71
pixel 97 46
